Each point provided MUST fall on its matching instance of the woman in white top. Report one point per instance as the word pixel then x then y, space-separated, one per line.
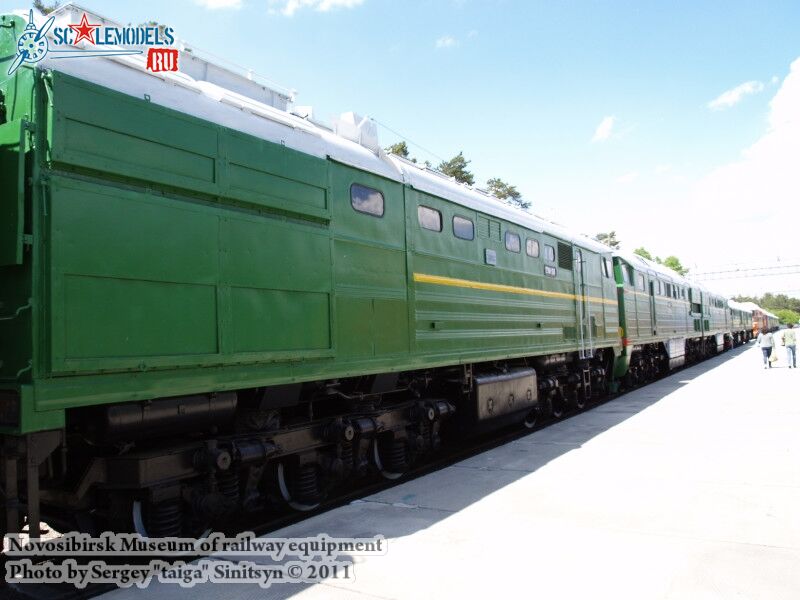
pixel 764 340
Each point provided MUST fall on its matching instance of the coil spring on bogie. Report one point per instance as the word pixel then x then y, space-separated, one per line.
pixel 306 488
pixel 396 461
pixel 425 432
pixel 346 455
pixel 165 519
pixel 228 485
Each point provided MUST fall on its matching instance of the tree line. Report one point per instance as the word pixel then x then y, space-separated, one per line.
pixel 456 168
pixel 672 262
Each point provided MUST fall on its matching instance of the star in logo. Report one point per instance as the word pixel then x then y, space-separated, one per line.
pixel 84 30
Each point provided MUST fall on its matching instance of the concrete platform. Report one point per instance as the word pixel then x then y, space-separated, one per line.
pixel 686 489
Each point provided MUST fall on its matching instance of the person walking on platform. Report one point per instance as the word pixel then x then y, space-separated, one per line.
pixel 790 341
pixel 764 340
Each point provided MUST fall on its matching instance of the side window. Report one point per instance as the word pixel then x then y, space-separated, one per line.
pixel 626 275
pixel 578 261
pixel 606 267
pixel 366 200
pixel 429 218
pixel 549 253
pixel 532 247
pixel 550 271
pixel 512 242
pixel 640 281
pixel 463 229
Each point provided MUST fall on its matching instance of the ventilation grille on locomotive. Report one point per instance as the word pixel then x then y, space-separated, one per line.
pixel 565 256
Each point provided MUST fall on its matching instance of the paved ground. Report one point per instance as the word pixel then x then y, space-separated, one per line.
pixel 686 489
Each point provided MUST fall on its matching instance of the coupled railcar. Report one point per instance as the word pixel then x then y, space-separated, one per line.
pixel 760 319
pixel 666 320
pixel 210 306
pixel 741 323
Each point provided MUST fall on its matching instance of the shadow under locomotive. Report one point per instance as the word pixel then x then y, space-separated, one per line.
pixel 420 503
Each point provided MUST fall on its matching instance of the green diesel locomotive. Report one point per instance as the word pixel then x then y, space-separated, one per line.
pixel 209 305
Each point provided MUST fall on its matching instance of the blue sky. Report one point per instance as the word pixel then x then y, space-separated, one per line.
pixel 523 88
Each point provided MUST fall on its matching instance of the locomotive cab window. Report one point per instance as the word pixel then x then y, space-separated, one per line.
pixel 532 247
pixel 549 253
pixel 429 218
pixel 463 229
pixel 640 281
pixel 626 275
pixel 513 243
pixel 606 267
pixel 367 200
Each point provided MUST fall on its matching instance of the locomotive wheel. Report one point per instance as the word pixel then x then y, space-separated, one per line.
pixel 558 407
pixel 531 418
pixel 284 489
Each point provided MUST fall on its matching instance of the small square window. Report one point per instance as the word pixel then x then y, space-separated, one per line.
pixel 532 247
pixel 463 229
pixel 550 271
pixel 429 218
pixel 513 243
pixel 366 200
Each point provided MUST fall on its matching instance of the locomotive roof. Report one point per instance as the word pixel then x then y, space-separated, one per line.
pixel 212 102
pixel 642 263
pixel 752 306
pixel 743 306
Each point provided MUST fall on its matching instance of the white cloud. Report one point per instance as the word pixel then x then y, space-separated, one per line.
pixel 220 4
pixel 734 96
pixel 661 169
pixel 446 41
pixel 628 177
pixel 604 129
pixel 289 7
pixel 753 201
pixel 472 33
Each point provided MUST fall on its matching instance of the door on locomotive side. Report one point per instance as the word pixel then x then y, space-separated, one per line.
pixel 369 265
pixel 584 317
pixel 652 288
